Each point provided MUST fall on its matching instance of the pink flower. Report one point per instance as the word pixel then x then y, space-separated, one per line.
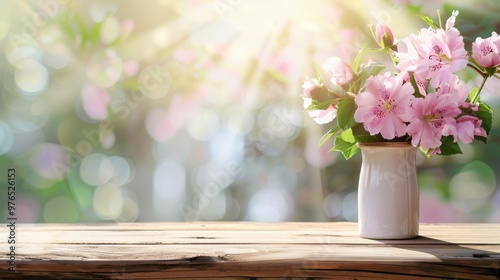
pixel 323 116
pixel 312 90
pixel 383 35
pixel 431 118
pixel 308 86
pixel 382 107
pixel 433 54
pixel 413 49
pixel 457 89
pixel 421 83
pixel 434 151
pixel 467 127
pixel 446 55
pixel 340 70
pixel 450 22
pixel 487 51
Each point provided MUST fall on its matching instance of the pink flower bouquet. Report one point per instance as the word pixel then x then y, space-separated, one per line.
pixel 422 101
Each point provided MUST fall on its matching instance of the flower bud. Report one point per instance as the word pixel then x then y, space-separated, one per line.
pixel 383 35
pixel 486 52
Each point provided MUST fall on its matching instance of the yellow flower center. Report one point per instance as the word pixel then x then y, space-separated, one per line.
pixel 388 105
pixel 444 58
pixel 431 117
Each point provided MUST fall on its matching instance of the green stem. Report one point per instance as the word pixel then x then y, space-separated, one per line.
pixel 361 53
pixel 475 99
pixel 477 70
pixel 390 52
pixel 439 18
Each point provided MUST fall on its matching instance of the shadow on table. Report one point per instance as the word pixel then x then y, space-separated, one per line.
pixel 459 261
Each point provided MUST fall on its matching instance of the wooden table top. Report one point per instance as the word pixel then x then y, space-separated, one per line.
pixel 246 250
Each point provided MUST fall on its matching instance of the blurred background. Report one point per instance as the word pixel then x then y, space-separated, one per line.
pixel 138 111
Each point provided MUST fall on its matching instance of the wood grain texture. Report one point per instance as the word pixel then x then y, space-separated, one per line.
pixel 244 250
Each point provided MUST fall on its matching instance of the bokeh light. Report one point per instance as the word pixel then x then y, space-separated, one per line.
pixel 95 102
pixel 203 125
pixel 105 68
pixel 100 9
pixel 332 205
pixel 48 160
pixel 472 187
pixel 6 138
pixel 130 211
pixel 122 171
pixel 270 205
pixel 31 76
pixel 96 169
pixel 4 24
pixel 108 201
pixel 169 185
pixel 110 30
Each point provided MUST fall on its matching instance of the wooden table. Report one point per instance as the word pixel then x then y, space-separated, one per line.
pixel 244 250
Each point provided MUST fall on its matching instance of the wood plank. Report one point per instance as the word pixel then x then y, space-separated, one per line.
pixel 244 250
pixel 238 233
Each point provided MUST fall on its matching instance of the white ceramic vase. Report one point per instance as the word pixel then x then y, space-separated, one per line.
pixel 388 194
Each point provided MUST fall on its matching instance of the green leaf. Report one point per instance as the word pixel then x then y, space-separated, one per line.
pixel 315 105
pixel 429 88
pixel 319 74
pixel 448 147
pixel 345 113
pixel 363 136
pixel 82 29
pixel 368 138
pixel 95 32
pixel 482 139
pixel 429 21
pixel 64 24
pixel 415 86
pixel 359 129
pixel 374 69
pixel 360 79
pixel 328 135
pixel 345 143
pixel 321 94
pixel 358 59
pixel 472 94
pixel 350 152
pixel 485 114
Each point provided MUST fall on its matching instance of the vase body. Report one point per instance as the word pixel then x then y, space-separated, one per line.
pixel 388 194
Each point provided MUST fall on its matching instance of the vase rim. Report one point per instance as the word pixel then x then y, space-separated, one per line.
pixel 386 145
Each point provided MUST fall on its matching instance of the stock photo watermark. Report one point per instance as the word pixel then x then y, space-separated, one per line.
pixel 11 218
pixel 31 25
pixel 219 180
